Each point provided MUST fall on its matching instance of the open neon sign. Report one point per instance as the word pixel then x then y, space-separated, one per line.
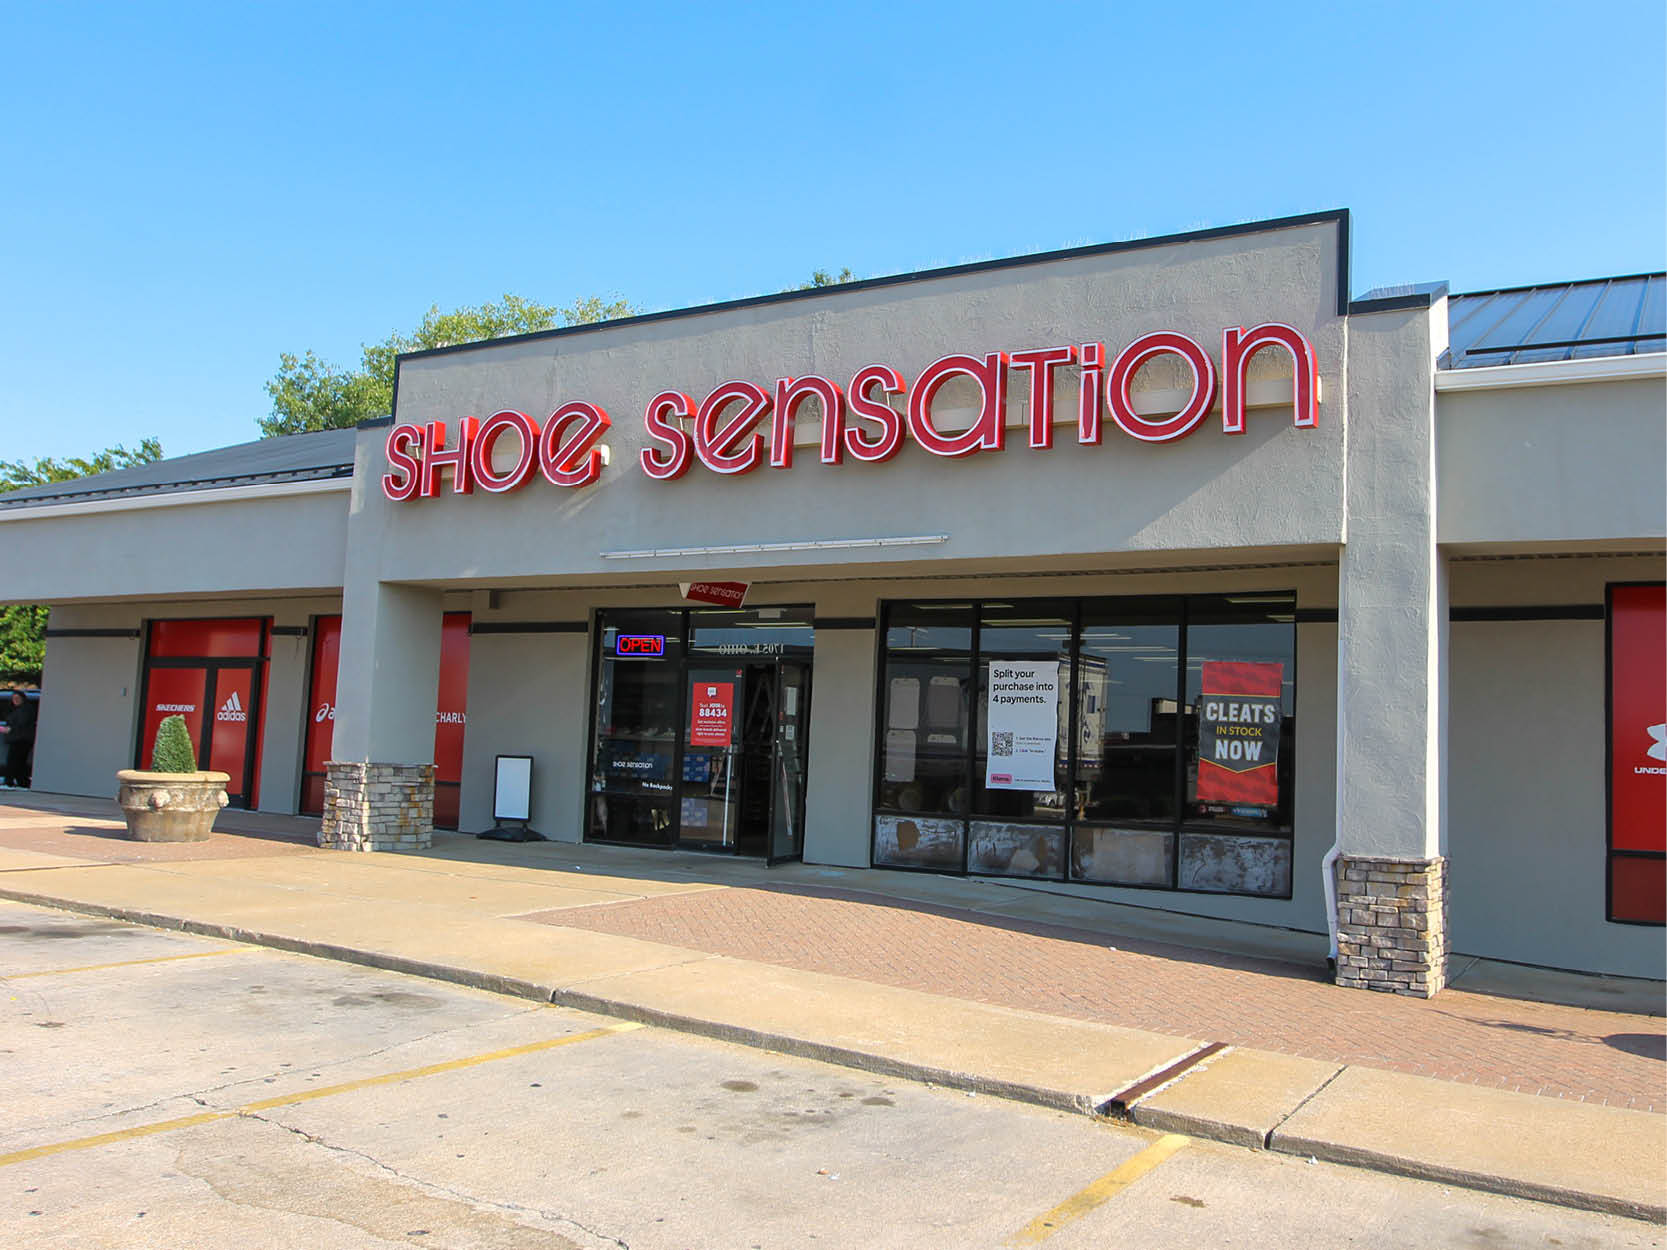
pixel 724 431
pixel 639 646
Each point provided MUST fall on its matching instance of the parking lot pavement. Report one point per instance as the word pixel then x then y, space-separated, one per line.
pixel 168 1090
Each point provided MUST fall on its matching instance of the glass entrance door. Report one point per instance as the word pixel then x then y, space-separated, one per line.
pixel 743 759
pixel 709 807
pixel 700 733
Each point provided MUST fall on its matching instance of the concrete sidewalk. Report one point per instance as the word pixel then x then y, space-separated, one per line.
pixel 564 923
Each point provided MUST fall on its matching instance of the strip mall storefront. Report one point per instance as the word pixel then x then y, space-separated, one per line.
pixel 1161 573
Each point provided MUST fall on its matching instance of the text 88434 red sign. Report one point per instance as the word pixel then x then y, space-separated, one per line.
pixel 711 713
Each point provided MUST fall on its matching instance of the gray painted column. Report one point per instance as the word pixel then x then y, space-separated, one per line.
pixel 1391 644
pixel 389 677
pixel 379 786
pixel 379 789
pixel 839 789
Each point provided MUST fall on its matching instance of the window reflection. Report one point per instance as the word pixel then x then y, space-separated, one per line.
pixel 927 700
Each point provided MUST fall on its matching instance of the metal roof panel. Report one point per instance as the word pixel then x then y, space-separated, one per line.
pixel 1560 321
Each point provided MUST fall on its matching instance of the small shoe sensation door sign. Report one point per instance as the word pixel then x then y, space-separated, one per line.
pixel 1239 720
pixel 711 713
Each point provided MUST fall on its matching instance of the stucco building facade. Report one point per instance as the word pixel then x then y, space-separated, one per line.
pixel 1163 572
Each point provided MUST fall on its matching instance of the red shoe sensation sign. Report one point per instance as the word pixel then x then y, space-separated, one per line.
pixel 725 431
pixel 1239 720
pixel 724 594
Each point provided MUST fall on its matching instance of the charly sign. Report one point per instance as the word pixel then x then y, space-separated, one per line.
pixel 859 421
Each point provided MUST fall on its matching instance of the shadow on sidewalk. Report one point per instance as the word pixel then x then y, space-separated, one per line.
pixel 1646 1045
pixel 119 836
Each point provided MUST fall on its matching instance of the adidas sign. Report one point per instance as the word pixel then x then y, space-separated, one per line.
pixel 232 710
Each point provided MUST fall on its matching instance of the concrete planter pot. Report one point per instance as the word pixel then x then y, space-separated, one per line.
pixel 170 807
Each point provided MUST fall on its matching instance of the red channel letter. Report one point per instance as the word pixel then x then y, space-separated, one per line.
pixel 988 433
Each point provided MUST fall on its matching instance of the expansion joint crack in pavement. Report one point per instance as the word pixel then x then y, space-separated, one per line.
pixel 1267 1138
pixel 433 1188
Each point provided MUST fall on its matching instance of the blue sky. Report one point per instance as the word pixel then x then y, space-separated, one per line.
pixel 192 189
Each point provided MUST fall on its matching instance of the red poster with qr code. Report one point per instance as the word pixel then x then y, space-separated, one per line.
pixel 1239 720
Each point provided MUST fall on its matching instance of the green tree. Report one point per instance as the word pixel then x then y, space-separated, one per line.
pixel 311 394
pixel 821 277
pixel 23 625
pixel 16 474
pixel 22 644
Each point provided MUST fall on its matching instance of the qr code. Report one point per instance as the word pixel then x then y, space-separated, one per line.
pixel 1001 742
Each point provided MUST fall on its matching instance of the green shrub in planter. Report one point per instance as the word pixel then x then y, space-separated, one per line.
pixel 173 752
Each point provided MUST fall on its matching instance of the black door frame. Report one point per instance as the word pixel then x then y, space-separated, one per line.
pixel 796 817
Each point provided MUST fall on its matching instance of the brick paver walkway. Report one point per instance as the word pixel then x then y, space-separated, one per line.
pixel 1537 1048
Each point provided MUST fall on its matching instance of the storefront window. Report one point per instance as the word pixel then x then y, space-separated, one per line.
pixel 1128 677
pixel 1132 741
pixel 924 770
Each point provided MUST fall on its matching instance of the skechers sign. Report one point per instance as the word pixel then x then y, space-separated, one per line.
pixel 860 421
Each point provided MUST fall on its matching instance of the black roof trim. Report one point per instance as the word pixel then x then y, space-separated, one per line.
pixel 323 473
pixel 373 423
pixel 1393 299
pixel 1337 216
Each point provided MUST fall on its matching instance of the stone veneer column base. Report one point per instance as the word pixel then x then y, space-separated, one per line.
pixel 1392 924
pixel 377 807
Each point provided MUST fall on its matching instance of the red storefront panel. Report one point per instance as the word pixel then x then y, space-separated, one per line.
pixel 172 692
pixel 1638 889
pixel 451 718
pixel 1638 718
pixel 204 640
pixel 234 693
pixel 450 715
pixel 1638 754
pixel 321 712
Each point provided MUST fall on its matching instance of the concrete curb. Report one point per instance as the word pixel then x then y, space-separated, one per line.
pixel 841 1056
pixel 1419 1169
pixel 1277 1141
pixel 1055 1099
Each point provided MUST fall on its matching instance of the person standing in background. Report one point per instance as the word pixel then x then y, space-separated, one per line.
pixel 19 731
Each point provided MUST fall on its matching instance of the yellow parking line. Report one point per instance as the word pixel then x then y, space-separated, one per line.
pixel 1101 1191
pixel 307 1095
pixel 126 963
pixel 434 1069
